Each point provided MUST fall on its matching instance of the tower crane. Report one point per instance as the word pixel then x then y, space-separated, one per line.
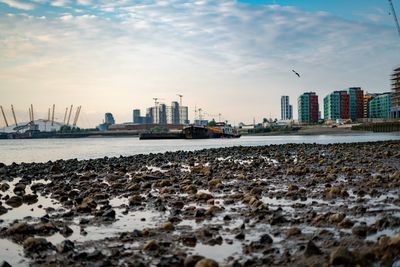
pixel 394 16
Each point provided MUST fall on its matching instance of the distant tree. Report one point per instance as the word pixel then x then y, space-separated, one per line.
pixel 265 120
pixel 159 129
pixel 212 123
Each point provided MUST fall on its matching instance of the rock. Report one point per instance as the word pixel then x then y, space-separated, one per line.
pixel 170 261
pixel 151 245
pixel 14 201
pixel 20 229
pixel 360 230
pixel 346 223
pixel 190 189
pixel 293 187
pixel 189 240
pixel 4 264
pixel 4 187
pixel 337 217
pixel 266 239
pixel 294 231
pixel 312 249
pixel 207 263
pixel 19 187
pixel 135 200
pixel 32 244
pixel 202 170
pixel 190 261
pixel 3 210
pixel 341 256
pixel 66 231
pixel 45 228
pixel 110 213
pixel 214 183
pixel 65 246
pixel 204 196
pixel 30 199
pixel 88 204
pixel 168 227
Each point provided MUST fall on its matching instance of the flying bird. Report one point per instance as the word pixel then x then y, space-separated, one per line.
pixel 296 73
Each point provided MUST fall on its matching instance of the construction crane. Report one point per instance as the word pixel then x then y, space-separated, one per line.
pixel 4 116
pixel 394 16
pixel 180 99
pixel 15 117
pixel 30 114
pixel 48 115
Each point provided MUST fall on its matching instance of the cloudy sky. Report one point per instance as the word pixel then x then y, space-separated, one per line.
pixel 228 56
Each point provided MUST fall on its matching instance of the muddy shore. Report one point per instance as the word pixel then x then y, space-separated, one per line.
pixel 278 205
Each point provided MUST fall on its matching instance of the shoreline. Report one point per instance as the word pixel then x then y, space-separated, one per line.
pixel 241 206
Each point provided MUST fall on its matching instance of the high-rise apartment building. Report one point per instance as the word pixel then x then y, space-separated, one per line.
pixel 395 108
pixel 286 108
pixel 308 108
pixel 380 106
pixel 367 99
pixel 163 114
pixel 336 105
pixel 356 103
pixel 109 119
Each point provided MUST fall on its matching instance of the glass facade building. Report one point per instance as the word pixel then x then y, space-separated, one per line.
pixel 308 108
pixel 380 106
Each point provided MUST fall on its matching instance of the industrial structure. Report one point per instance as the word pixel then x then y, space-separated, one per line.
pixel 37 124
pixel 286 108
pixel 308 108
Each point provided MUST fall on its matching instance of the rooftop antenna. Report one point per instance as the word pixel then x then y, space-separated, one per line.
pixel 396 21
pixel 4 116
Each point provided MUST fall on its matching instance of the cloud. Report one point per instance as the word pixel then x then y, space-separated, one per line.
pixel 84 2
pixel 123 54
pixel 60 3
pixel 17 4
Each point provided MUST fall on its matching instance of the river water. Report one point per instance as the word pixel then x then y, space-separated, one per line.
pixel 42 150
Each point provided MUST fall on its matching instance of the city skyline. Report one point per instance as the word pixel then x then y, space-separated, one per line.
pixel 228 57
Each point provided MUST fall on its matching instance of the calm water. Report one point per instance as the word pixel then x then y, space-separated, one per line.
pixel 42 150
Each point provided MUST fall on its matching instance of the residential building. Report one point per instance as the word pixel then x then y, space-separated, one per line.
pixel 356 103
pixel 308 108
pixel 163 114
pixel 336 105
pixel 286 108
pixel 380 106
pixel 395 109
pixel 138 119
pixel 367 99
pixel 109 119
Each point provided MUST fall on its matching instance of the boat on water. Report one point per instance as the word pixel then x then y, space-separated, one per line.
pixel 220 130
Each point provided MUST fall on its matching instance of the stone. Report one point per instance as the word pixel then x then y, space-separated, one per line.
pixel 32 244
pixel 4 187
pixel 207 263
pixel 266 239
pixel 4 264
pixel 65 246
pixel 204 196
pixel 341 256
pixel 360 230
pixel 214 183
pixel 190 261
pixel 312 249
pixel 110 213
pixel 20 229
pixel 30 199
pixel 294 231
pixel 151 245
pixel 3 210
pixel 293 187
pixel 66 231
pixel 14 201
pixel 337 217
pixel 168 227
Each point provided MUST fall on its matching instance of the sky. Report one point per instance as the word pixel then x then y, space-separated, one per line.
pixel 233 57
